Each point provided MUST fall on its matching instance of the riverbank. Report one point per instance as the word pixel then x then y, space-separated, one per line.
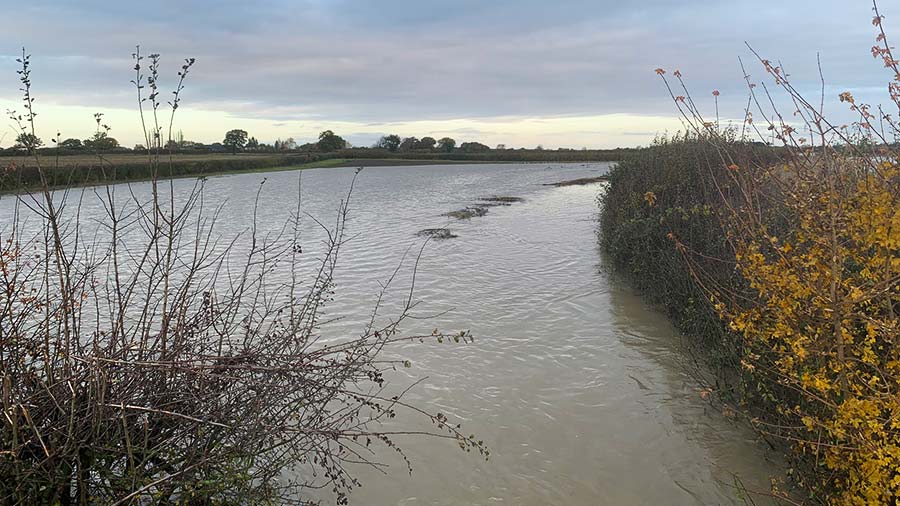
pixel 20 173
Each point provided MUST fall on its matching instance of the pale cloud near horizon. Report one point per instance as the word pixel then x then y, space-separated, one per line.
pixel 568 73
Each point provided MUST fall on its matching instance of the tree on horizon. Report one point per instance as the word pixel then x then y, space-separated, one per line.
pixel 235 139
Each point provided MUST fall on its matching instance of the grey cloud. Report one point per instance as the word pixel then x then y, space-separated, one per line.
pixel 404 60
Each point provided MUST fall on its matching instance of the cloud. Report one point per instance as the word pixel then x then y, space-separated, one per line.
pixel 404 61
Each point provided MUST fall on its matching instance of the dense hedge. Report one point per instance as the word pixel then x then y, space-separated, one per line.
pixel 658 194
pixel 675 193
pixel 668 223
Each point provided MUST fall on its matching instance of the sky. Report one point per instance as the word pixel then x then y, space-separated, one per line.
pixel 562 73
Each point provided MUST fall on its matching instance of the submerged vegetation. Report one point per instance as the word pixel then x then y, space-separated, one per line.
pixel 437 233
pixel 468 213
pixel 482 207
pixel 782 266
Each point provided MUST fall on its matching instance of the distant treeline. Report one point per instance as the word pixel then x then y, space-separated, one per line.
pixel 492 155
pixel 488 154
pixel 239 141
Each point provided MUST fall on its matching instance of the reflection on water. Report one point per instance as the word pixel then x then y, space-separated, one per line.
pixel 572 381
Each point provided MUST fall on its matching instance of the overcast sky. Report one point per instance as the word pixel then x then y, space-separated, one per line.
pixel 520 72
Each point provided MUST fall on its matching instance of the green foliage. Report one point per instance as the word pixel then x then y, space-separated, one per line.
pixel 100 141
pixel 235 139
pixel 409 144
pixel 426 143
pixel 28 141
pixel 389 142
pixel 71 144
pixel 329 142
pixel 634 232
pixel 474 147
pixel 446 144
pixel 667 192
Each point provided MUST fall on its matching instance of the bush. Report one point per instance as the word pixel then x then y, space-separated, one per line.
pixel 143 360
pixel 796 250
pixel 654 196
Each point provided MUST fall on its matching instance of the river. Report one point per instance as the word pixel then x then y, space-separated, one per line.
pixel 574 383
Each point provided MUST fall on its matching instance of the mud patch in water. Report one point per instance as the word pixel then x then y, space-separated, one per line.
pixel 436 233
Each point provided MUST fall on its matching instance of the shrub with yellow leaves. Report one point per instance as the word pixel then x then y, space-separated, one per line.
pixel 815 238
pixel 822 325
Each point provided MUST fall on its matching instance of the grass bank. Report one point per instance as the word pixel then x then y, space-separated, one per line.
pixel 25 173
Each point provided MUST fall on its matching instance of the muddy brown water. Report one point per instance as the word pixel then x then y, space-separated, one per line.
pixel 573 381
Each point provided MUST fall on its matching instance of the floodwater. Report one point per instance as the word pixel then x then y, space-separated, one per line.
pixel 574 383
